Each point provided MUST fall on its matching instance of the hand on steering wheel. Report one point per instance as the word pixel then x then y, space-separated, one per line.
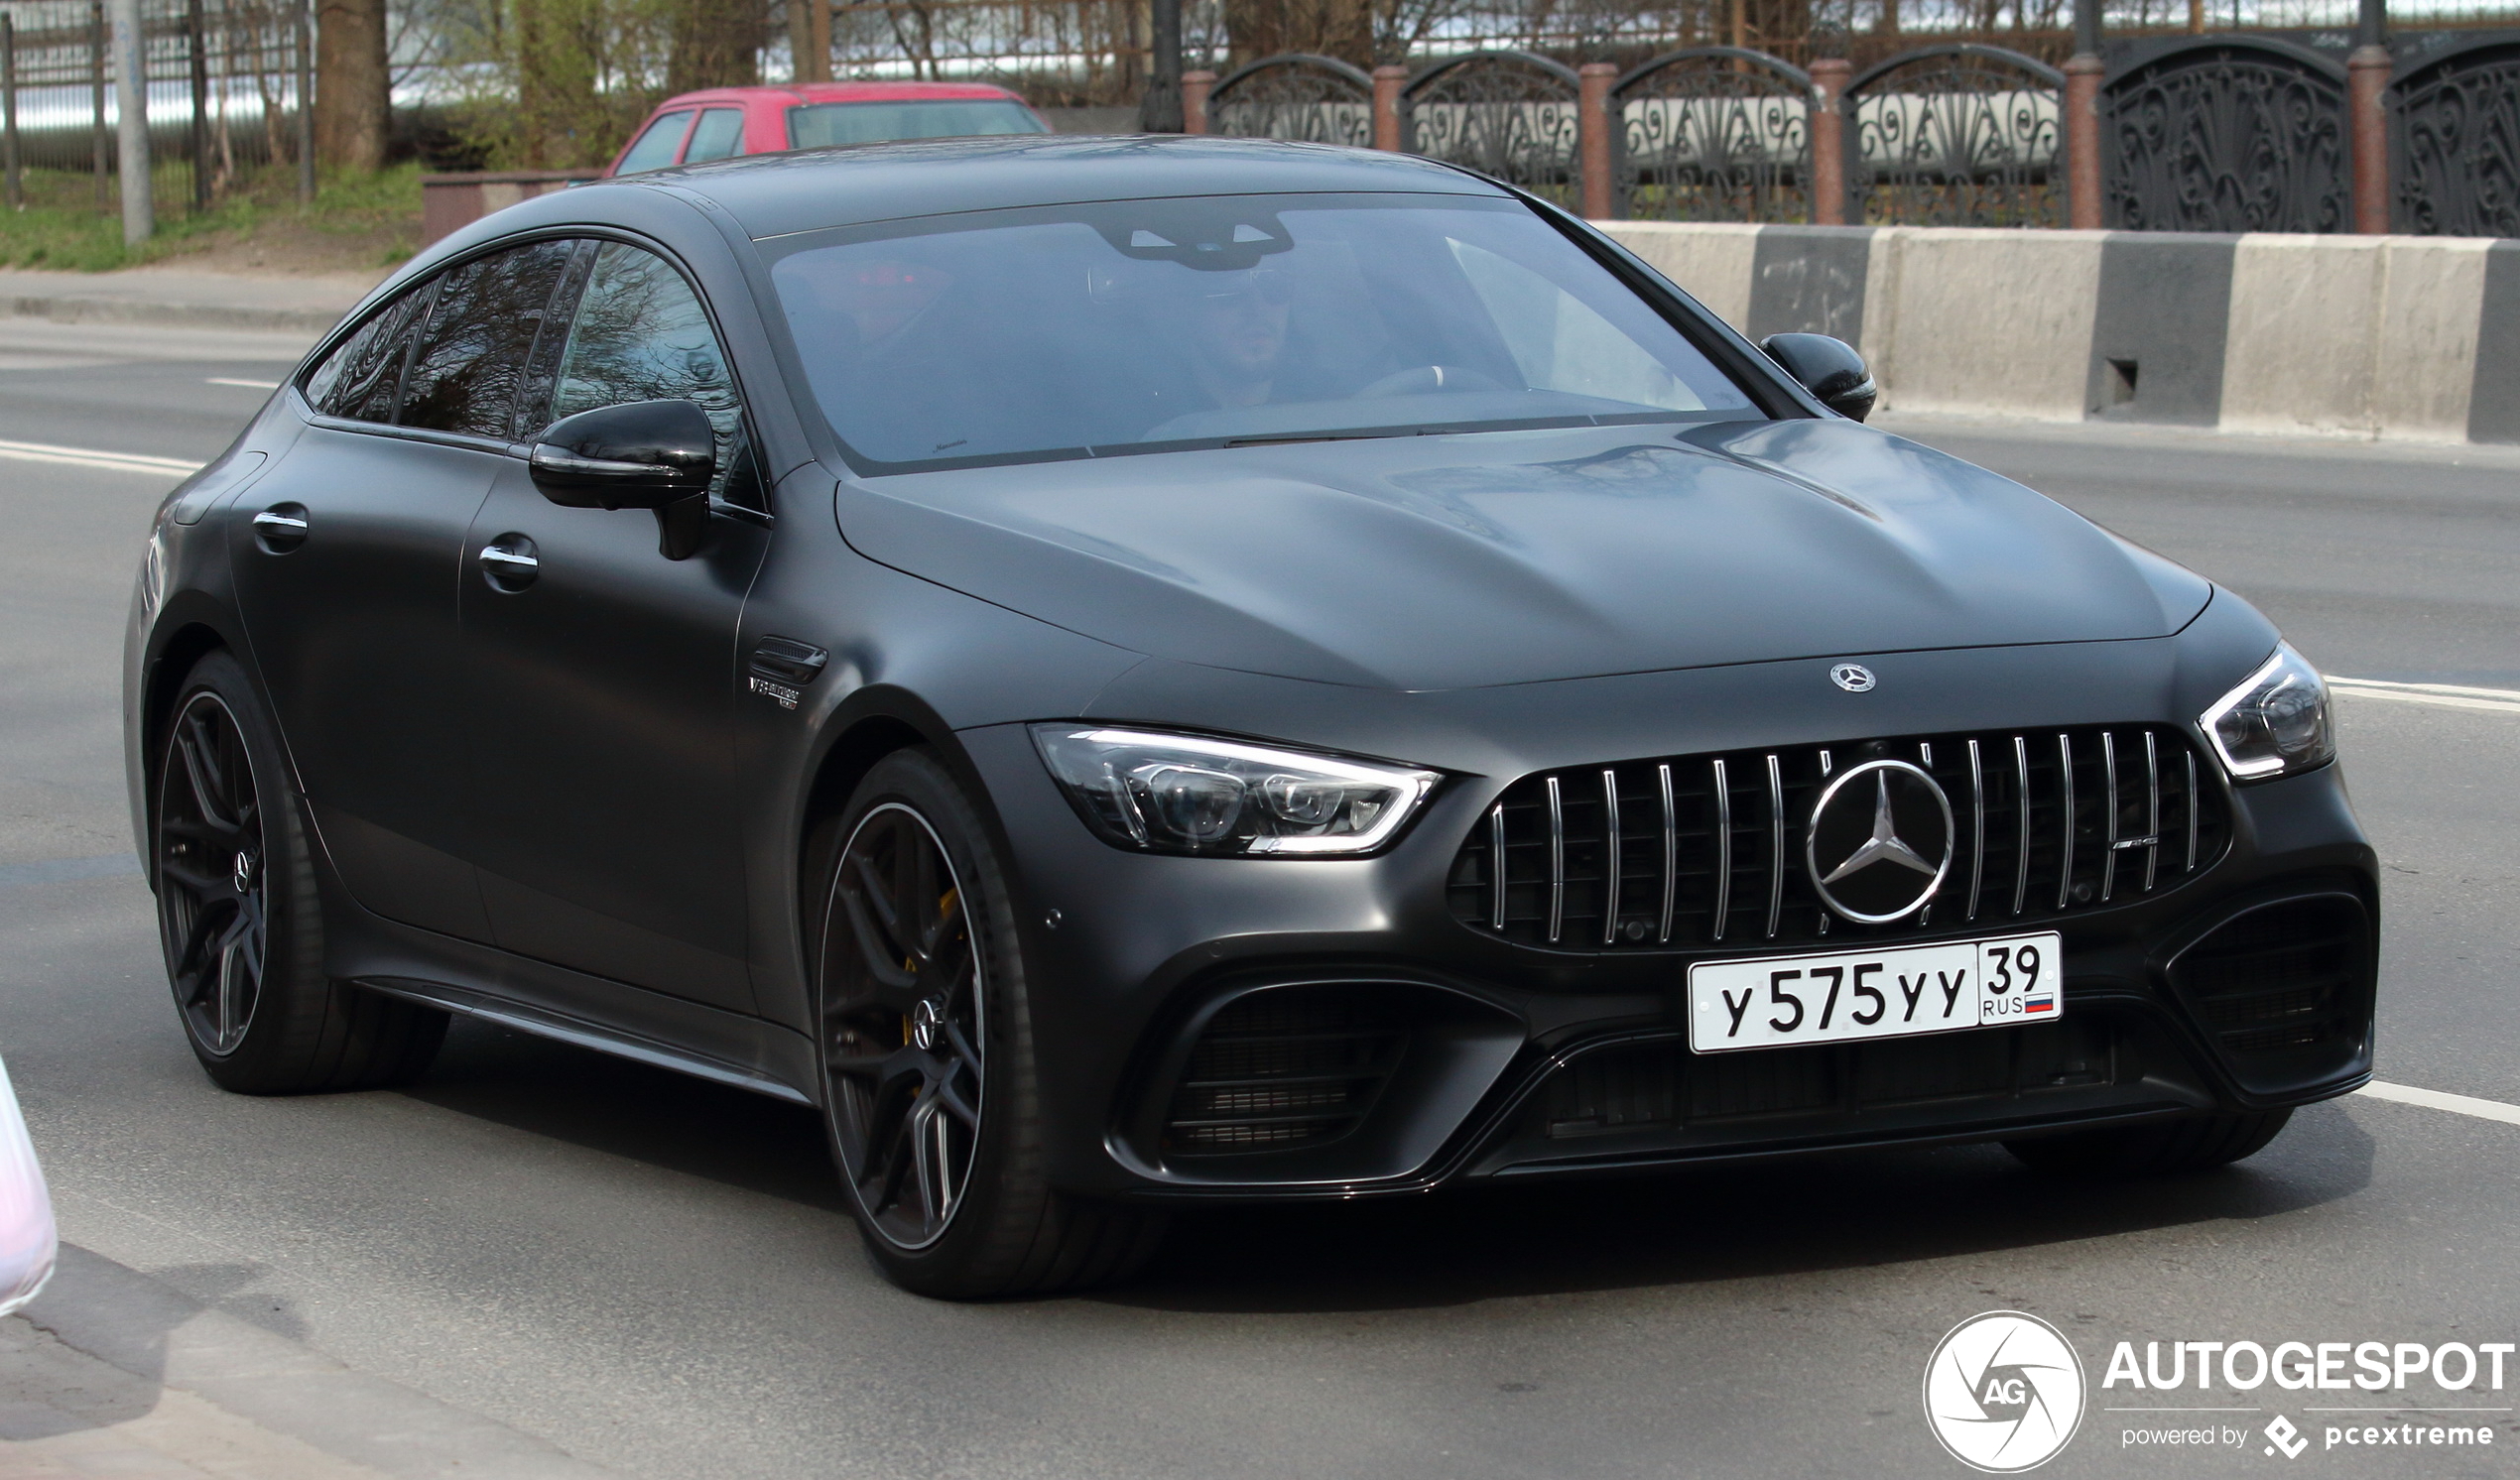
pixel 1426 379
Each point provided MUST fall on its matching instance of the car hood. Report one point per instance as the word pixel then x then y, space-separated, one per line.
pixel 1496 557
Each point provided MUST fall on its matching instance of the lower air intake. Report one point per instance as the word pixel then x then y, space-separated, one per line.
pixel 2290 976
pixel 1282 1070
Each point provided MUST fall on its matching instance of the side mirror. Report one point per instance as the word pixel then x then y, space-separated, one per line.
pixel 643 456
pixel 1830 369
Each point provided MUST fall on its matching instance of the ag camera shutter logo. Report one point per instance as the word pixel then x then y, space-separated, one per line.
pixel 2004 1391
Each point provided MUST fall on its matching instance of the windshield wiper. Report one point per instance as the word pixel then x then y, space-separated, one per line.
pixel 1317 436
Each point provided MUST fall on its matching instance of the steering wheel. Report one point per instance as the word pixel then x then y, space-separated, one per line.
pixel 1426 380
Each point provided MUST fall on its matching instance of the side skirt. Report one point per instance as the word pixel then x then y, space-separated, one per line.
pixel 583 1034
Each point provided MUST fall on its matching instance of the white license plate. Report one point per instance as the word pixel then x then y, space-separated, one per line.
pixel 1889 992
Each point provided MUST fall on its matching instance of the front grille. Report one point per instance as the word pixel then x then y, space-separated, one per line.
pixel 1707 850
pixel 1283 1068
pixel 1662 1084
pixel 2287 976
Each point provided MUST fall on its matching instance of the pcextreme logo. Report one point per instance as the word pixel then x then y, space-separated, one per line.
pixel 2003 1392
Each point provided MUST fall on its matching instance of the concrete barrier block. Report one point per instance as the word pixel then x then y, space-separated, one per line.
pixel 1992 321
pixel 1711 260
pixel 2493 399
pixel 1810 279
pixel 2301 353
pixel 2165 300
pixel 2433 295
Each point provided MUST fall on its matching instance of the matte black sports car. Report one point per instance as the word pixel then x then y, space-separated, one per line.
pixel 1146 670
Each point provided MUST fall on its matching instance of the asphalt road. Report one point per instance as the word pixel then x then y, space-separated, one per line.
pixel 653 1274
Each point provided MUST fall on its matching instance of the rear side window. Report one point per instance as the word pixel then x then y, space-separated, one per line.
pixel 943 118
pixel 720 134
pixel 361 379
pixel 641 334
pixel 655 149
pixel 480 337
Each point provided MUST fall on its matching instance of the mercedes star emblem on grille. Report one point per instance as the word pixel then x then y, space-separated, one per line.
pixel 1853 677
pixel 1879 841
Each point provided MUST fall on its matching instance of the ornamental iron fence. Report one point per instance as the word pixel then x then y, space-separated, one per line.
pixel 1714 133
pixel 2455 150
pixel 1315 99
pixel 2228 134
pixel 1957 134
pixel 1509 114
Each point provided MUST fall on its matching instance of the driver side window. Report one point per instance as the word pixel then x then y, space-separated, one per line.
pixel 641 334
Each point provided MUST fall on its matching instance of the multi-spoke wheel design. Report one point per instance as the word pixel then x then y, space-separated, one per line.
pixel 213 898
pixel 905 1025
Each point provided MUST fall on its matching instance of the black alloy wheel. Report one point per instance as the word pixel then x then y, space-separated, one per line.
pixel 241 918
pixel 930 1091
pixel 907 1020
pixel 210 874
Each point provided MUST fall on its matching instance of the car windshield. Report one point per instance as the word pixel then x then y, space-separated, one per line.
pixel 1088 331
pixel 818 124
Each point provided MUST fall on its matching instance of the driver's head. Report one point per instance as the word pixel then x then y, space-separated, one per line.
pixel 1236 323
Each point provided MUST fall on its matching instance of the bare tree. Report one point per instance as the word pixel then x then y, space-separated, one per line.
pixel 352 87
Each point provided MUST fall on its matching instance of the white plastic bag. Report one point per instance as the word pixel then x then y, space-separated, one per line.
pixel 28 1240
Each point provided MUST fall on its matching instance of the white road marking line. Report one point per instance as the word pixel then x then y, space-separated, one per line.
pixel 2445 696
pixel 2434 1099
pixel 251 385
pixel 123 462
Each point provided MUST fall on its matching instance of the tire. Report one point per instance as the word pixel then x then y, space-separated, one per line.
pixel 2193 1143
pixel 239 917
pixel 930 1088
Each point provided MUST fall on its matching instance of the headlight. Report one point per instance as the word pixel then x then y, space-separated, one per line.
pixel 1185 794
pixel 2274 724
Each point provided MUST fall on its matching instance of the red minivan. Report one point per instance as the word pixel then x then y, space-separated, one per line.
pixel 726 121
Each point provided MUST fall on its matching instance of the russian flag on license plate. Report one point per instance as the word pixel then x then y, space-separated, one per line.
pixel 2038 1005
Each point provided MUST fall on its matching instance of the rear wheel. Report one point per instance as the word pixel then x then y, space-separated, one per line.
pixel 239 918
pixel 928 1085
pixel 2193 1143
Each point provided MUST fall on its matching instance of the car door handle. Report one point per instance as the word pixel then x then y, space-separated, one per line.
pixel 509 563
pixel 280 528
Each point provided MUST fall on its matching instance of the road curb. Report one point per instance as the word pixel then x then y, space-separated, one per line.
pixel 75 309
pixel 156 1332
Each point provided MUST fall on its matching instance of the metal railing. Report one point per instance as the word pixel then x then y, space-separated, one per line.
pixel 2208 133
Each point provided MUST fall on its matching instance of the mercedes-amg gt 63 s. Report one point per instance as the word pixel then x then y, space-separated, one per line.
pixel 1136 672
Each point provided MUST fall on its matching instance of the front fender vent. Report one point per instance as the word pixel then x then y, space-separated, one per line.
pixel 1707 850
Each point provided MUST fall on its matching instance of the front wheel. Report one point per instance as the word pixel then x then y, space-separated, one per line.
pixel 239 917
pixel 928 1085
pixel 2192 1142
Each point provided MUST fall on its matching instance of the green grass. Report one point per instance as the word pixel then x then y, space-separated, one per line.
pixel 368 221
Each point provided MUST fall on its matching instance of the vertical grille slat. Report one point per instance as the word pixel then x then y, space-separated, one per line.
pixel 1671 853
pixel 1775 841
pixel 2065 868
pixel 2193 809
pixel 1686 852
pixel 2109 859
pixel 1557 861
pixel 2152 808
pixel 1496 867
pixel 1723 851
pixel 2021 804
pixel 1611 870
pixel 1976 826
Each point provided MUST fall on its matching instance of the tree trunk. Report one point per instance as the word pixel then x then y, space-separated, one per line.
pixel 352 86
pixel 716 43
pixel 556 111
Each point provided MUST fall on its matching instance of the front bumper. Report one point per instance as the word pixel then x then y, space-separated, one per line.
pixel 1470 1057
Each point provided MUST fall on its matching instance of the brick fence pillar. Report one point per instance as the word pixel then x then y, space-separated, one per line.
pixel 1593 138
pixel 1194 89
pixel 1828 140
pixel 1388 80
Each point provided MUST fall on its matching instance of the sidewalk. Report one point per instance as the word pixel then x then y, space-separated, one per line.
pixel 113 1374
pixel 175 297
